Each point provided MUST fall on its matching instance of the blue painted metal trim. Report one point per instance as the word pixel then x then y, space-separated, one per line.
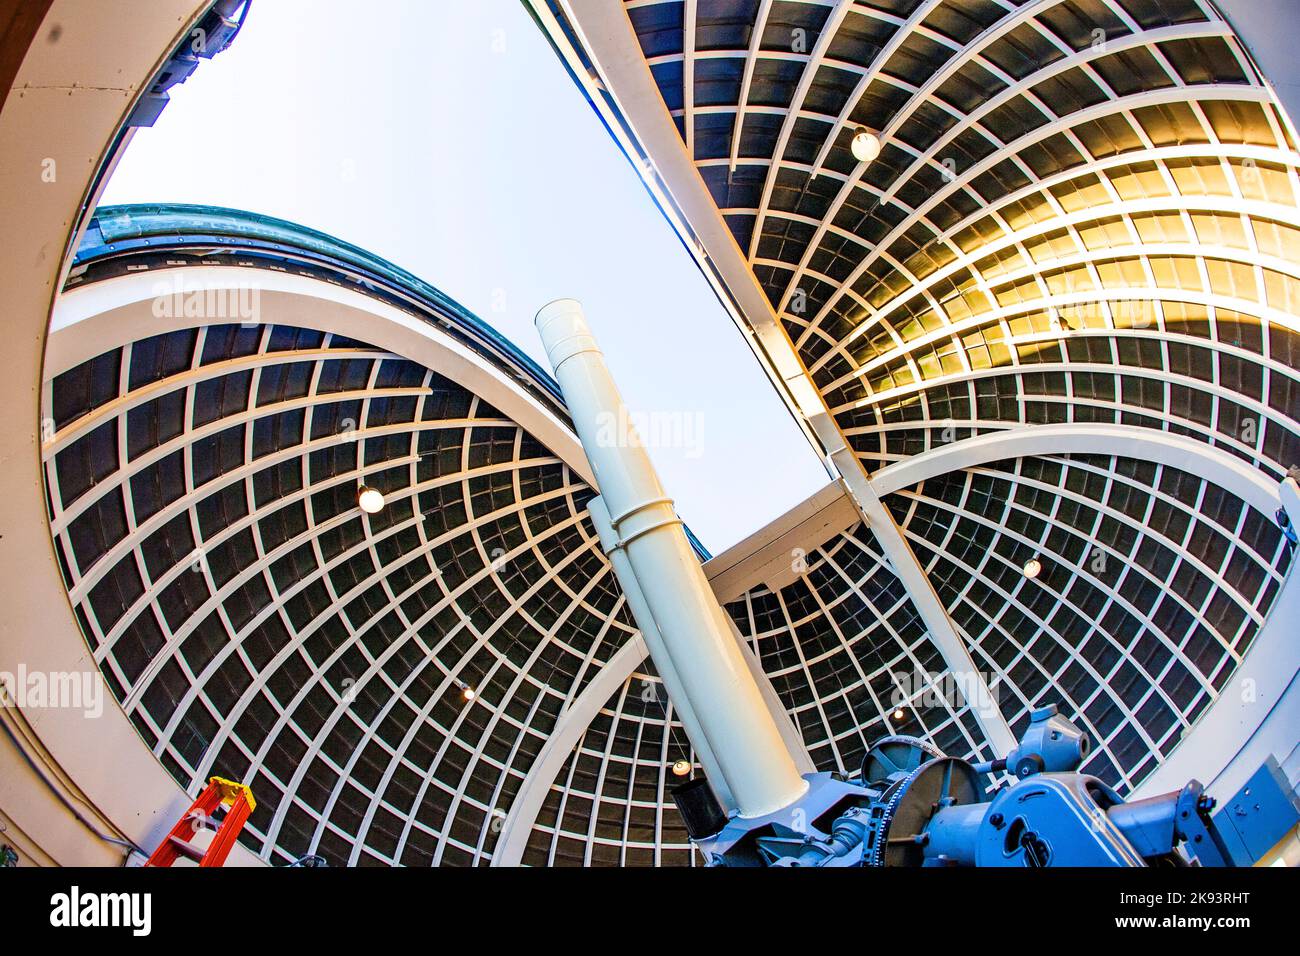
pixel 116 232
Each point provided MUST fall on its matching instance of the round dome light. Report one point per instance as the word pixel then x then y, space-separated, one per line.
pixel 681 768
pixel 370 500
pixel 468 693
pixel 865 145
pixel 899 714
pixel 1033 568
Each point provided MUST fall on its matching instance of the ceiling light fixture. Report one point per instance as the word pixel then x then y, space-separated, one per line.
pixel 865 145
pixel 681 768
pixel 468 693
pixel 370 500
pixel 1033 568
pixel 898 714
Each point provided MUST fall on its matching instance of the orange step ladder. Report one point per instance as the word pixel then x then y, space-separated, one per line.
pixel 240 802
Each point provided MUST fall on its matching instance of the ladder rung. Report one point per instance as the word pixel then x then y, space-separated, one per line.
pixel 187 849
pixel 239 802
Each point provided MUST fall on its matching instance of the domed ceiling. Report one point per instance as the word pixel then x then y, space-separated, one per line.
pixel 1054 320
pixel 382 681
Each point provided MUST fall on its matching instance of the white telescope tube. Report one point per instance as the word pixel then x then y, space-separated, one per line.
pixel 714 677
pixel 654 642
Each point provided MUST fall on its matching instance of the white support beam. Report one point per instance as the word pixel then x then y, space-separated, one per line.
pixel 117 310
pixel 573 723
pixel 943 631
pixel 1127 441
pixel 755 41
pixel 768 555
